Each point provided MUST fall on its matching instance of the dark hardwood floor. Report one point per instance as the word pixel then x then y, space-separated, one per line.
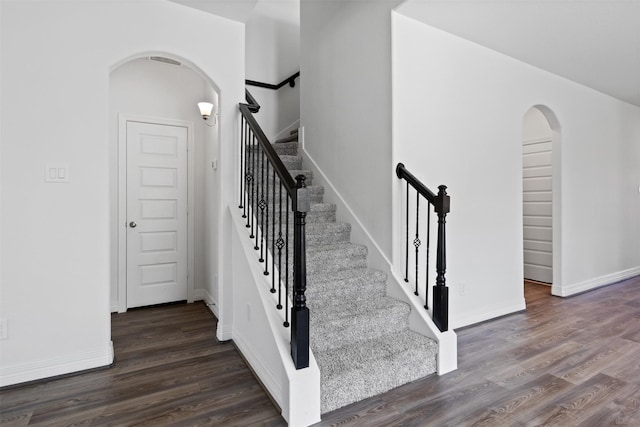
pixel 169 370
pixel 564 362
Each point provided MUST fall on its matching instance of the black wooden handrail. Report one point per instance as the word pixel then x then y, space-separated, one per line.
pixel 278 166
pixel 252 104
pixel 291 80
pixel 441 205
pixel 403 173
pixel 266 209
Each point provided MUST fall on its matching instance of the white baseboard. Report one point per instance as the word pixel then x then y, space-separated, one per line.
pixel 484 314
pixel 199 295
pixel 46 368
pixel 266 375
pixel 224 332
pixel 596 282
pixel 204 295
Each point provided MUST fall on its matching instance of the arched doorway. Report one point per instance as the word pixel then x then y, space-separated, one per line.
pixel 538 197
pixel 162 92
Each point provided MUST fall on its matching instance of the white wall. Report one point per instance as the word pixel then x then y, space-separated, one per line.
pixel 457 120
pixel 345 105
pixel 145 88
pixel 265 343
pixel 56 237
pixel 272 55
pixel 212 200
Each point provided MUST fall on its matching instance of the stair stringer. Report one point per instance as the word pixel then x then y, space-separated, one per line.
pixel 263 341
pixel 419 319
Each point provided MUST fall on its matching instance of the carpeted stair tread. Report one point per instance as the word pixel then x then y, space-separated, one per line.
pixel 318 212
pixel 292 162
pixel 316 192
pixel 360 337
pixel 336 250
pixel 269 178
pixel 288 160
pixel 342 256
pixel 365 274
pixel 323 233
pixel 355 321
pixel 291 137
pixel 355 372
pixel 323 207
pixel 286 148
pixel 337 309
pixel 347 284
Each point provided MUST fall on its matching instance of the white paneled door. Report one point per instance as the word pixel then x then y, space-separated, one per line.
pixel 157 225
pixel 537 208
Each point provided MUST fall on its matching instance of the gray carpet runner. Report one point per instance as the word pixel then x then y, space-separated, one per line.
pixel 359 336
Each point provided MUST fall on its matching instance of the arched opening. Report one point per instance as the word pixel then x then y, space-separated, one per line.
pixel 167 181
pixel 540 171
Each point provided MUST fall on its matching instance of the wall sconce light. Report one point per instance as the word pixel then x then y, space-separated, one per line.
pixel 206 110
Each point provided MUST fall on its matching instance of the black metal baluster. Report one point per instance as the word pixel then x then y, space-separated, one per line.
pixel 242 139
pixel 417 242
pixel 426 273
pixel 252 213
pixel 280 243
pixel 265 235
pixel 249 178
pixel 273 235
pixel 246 172
pixel 286 267
pixel 406 258
pixel 260 203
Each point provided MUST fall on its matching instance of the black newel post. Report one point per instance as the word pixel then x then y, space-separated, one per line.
pixel 299 311
pixel 440 291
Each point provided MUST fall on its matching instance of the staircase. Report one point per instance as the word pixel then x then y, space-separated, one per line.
pixel 360 337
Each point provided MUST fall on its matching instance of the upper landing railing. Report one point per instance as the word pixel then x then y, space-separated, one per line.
pixel 291 80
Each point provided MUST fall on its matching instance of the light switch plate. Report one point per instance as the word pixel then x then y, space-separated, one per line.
pixel 56 172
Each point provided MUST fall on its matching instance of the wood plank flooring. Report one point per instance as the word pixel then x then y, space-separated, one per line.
pixel 564 362
pixel 169 370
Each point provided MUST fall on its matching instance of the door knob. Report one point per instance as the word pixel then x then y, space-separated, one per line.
pixel 133 224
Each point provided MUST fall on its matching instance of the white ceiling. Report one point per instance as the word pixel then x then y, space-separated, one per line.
pixel 592 42
pixel 237 10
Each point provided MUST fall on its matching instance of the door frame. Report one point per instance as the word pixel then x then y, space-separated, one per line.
pixel 556 196
pixel 122 201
